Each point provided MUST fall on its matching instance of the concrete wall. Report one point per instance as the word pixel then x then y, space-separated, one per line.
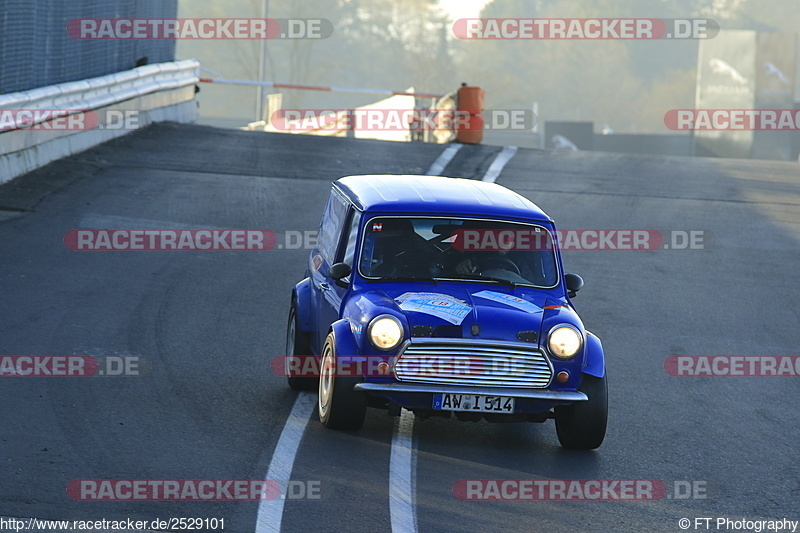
pixel 99 109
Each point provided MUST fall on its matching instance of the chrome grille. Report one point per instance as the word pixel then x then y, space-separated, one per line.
pixel 473 363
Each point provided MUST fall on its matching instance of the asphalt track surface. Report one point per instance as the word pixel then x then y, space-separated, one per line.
pixel 206 325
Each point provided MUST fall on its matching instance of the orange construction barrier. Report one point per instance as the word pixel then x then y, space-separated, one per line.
pixel 470 100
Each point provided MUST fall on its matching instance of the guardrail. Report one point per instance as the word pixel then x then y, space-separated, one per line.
pixel 415 119
pixel 323 88
pixel 47 123
pixel 428 108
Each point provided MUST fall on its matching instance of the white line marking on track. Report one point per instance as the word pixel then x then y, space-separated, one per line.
pixel 403 476
pixel 444 158
pixel 270 512
pixel 402 464
pixel 499 162
pixel 403 459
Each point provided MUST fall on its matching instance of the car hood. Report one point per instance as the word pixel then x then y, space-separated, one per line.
pixel 479 311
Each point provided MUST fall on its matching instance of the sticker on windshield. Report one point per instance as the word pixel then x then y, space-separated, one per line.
pixel 507 299
pixel 439 305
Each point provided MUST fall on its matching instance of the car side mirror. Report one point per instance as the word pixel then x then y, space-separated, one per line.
pixel 574 284
pixel 338 272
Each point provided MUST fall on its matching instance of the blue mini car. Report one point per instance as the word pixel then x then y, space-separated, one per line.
pixel 445 297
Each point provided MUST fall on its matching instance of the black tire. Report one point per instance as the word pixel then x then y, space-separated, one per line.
pixel 339 406
pixel 582 425
pixel 297 344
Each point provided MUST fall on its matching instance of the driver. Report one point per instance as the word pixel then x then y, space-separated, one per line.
pixel 470 261
pixel 532 266
pixel 470 264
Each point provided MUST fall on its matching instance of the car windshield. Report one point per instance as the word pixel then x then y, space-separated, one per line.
pixel 409 248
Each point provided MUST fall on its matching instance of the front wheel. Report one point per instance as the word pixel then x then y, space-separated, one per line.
pixel 339 406
pixel 298 349
pixel 582 425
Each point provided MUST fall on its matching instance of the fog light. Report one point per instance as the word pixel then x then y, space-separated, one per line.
pixel 383 368
pixel 562 376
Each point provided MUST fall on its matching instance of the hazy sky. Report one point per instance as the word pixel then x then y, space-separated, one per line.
pixel 463 8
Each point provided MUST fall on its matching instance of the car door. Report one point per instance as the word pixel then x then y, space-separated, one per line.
pixel 324 296
pixel 332 293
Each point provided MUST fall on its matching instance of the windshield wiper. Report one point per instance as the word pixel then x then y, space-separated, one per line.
pixel 489 278
pixel 407 278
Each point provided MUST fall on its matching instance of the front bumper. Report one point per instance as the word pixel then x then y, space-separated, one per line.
pixel 391 388
pixel 420 396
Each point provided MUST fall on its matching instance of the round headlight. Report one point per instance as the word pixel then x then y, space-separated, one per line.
pixel 385 332
pixel 564 341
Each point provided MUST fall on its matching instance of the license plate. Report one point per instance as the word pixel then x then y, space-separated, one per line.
pixel 473 402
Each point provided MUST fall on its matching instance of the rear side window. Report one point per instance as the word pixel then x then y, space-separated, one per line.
pixel 331 227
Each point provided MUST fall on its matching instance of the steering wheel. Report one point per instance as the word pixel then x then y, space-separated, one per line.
pixel 505 261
